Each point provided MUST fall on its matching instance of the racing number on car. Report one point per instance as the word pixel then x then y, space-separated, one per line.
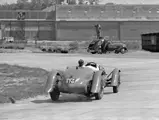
pixel 70 80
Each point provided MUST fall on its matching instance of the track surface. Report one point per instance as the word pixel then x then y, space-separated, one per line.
pixel 138 97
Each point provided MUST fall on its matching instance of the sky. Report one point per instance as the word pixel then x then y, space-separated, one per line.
pixel 105 1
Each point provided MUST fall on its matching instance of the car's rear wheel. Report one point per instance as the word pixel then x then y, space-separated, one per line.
pixel 55 94
pixel 99 95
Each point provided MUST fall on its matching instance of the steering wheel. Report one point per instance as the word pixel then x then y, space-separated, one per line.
pixel 93 64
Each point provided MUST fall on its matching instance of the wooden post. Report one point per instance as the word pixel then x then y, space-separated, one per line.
pixel 119 29
pixel 55 20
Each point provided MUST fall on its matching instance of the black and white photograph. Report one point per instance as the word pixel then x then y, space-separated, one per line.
pixel 79 59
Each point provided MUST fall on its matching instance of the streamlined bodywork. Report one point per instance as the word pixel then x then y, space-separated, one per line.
pixel 82 80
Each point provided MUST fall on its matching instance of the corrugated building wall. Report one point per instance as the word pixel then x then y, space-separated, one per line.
pixel 120 22
pixel 84 30
pixel 37 24
pixel 76 22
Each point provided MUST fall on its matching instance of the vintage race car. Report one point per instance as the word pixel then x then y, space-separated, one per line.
pixel 89 80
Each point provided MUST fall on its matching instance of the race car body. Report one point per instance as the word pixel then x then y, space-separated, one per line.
pixel 82 80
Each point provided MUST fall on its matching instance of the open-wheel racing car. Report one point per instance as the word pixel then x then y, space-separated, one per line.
pixel 89 80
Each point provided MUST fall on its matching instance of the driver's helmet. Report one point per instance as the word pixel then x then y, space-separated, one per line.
pixel 81 62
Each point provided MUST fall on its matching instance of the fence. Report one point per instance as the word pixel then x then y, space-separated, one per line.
pixel 29 30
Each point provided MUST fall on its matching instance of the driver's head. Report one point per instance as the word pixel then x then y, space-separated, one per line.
pixel 81 62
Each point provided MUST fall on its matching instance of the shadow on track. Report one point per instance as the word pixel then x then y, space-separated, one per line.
pixel 108 93
pixel 68 98
pixel 64 99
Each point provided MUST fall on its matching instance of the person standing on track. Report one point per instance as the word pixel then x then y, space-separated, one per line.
pixel 98 30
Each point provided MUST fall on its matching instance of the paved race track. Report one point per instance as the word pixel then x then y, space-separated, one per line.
pixel 138 97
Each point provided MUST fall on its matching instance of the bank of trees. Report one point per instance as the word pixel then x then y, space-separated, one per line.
pixel 38 4
pixel 26 5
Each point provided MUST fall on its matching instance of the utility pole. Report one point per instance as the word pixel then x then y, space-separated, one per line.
pixel 55 20
pixel 21 21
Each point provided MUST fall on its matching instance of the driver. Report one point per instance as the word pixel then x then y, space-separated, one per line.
pixel 98 30
pixel 81 63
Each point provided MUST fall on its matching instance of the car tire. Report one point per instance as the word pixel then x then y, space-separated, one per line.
pixel 49 50
pixel 93 52
pixel 99 95
pixel 123 50
pixel 115 89
pixel 43 49
pixel 117 51
pixel 55 94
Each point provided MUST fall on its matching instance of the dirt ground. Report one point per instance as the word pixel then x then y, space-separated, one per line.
pixel 138 97
pixel 18 82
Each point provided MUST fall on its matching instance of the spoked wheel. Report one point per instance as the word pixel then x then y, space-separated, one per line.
pixel 55 94
pixel 99 95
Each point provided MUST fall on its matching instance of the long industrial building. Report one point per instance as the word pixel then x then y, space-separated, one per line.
pixel 76 22
pixel 119 22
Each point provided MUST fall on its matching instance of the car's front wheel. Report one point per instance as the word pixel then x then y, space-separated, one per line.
pixel 55 94
pixel 93 52
pixel 115 89
pixel 116 51
pixel 99 95
pixel 123 50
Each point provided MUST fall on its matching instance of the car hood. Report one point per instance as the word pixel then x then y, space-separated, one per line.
pixel 83 73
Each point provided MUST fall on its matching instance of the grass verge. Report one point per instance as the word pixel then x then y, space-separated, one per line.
pixel 19 82
pixel 65 46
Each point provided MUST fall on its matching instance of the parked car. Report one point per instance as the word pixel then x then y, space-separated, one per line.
pixel 103 46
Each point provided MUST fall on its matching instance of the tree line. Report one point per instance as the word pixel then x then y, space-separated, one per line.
pixel 36 4
pixel 28 5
